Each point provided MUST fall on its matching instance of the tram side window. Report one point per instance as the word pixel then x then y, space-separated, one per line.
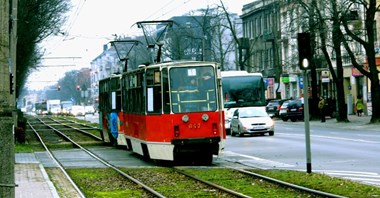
pixel 165 88
pixel 153 91
pixel 115 98
pixel 124 94
pixel 135 99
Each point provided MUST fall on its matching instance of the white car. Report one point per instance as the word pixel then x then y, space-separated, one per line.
pixel 250 120
pixel 78 110
pixel 89 110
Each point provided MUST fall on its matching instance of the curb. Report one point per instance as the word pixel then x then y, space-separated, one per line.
pixel 53 190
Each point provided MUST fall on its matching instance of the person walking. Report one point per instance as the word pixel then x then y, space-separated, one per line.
pixel 359 105
pixel 321 107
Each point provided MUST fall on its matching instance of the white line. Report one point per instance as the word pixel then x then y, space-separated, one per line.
pixel 260 161
pixel 334 138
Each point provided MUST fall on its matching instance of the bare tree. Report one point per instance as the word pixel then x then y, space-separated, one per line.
pixel 332 15
pixel 368 43
pixel 36 21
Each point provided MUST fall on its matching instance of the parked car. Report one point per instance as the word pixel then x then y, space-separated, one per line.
pixel 295 110
pixel 273 107
pixel 283 114
pixel 77 110
pixel 248 120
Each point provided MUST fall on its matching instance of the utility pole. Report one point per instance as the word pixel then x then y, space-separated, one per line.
pixel 7 96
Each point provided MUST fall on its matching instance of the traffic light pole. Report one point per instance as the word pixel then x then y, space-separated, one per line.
pixel 306 120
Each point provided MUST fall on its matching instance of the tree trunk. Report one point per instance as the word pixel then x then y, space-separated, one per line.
pixel 375 95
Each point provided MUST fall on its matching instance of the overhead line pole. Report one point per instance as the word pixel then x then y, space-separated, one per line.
pixel 8 32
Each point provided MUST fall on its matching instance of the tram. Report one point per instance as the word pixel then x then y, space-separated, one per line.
pixel 165 111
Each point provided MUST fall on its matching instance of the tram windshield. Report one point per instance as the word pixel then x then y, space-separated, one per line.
pixel 243 91
pixel 193 89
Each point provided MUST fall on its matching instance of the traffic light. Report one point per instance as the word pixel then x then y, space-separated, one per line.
pixel 304 50
pixel 59 88
pixel 11 84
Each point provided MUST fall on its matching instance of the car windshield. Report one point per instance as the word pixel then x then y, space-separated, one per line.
pixel 295 102
pixel 273 103
pixel 248 113
pixel 285 104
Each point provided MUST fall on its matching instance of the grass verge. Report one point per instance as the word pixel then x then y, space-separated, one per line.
pixel 99 182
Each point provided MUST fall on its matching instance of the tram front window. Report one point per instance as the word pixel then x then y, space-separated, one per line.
pixel 192 89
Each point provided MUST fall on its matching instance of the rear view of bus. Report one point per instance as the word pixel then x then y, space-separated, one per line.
pixel 241 89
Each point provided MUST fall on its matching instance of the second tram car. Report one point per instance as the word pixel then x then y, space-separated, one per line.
pixel 166 111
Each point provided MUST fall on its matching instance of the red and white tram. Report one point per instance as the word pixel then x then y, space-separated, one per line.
pixel 165 111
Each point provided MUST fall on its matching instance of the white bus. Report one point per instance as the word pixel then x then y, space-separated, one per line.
pixel 241 89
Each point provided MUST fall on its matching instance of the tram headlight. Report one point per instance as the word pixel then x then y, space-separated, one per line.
pixel 205 117
pixel 185 118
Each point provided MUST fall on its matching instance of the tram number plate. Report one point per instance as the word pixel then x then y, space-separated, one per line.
pixel 194 126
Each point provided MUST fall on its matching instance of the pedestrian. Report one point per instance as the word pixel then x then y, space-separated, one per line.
pixel 321 107
pixel 359 105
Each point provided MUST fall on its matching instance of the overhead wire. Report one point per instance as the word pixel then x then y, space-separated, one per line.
pixel 66 32
pixel 167 12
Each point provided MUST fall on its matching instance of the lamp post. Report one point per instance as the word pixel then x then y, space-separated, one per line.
pixel 123 48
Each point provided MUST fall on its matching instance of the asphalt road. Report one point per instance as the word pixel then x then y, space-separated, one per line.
pixel 349 153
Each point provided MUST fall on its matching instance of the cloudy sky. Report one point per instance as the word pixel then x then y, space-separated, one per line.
pixel 93 23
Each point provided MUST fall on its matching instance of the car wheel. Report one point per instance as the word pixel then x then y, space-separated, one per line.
pixel 232 132
pixel 293 119
pixel 239 132
pixel 228 132
pixel 271 133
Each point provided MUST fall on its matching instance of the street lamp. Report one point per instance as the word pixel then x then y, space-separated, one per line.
pixel 123 48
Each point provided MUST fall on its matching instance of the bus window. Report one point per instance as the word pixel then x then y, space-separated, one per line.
pixel 243 91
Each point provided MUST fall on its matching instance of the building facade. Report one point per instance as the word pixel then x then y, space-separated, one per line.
pixel 272 27
pixel 261 29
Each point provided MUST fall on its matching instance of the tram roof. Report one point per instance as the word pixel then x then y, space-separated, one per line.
pixel 178 63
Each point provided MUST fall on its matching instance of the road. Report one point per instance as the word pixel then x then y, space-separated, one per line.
pixel 340 152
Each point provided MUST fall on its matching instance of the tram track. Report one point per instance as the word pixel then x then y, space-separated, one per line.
pixel 289 185
pixel 85 129
pixel 215 189
pixel 80 193
pixel 224 191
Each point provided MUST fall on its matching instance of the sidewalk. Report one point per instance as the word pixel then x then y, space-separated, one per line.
pixel 31 178
pixel 356 123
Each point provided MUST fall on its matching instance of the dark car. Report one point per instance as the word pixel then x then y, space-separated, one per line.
pixel 273 107
pixel 295 110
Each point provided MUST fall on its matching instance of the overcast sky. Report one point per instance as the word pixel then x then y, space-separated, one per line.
pixel 93 23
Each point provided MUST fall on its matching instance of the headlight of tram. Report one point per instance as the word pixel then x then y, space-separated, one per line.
pixel 185 118
pixel 205 117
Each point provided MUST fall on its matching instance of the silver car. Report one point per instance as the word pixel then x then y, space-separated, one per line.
pixel 251 120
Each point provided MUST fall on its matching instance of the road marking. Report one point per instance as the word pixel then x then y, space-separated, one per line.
pixel 256 161
pixel 365 177
pixel 333 138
